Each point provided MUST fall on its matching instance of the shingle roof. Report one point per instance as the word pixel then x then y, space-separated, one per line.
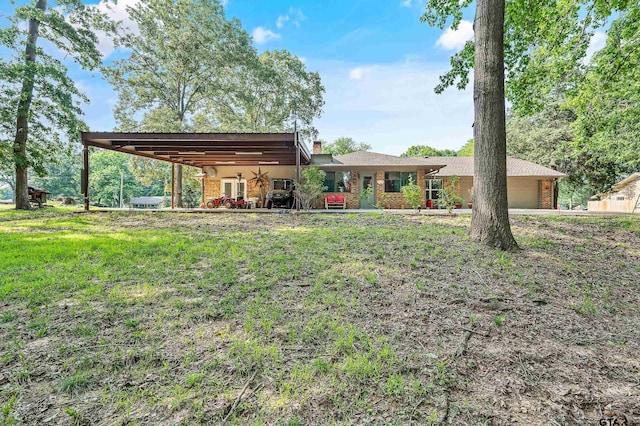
pixel 463 166
pixel 368 158
pixel 626 181
pixel 146 200
pixel 453 166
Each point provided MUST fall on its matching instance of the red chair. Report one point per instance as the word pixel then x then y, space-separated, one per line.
pixel 340 200
pixel 429 204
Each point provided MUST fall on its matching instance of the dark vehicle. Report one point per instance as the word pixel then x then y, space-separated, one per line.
pixel 280 194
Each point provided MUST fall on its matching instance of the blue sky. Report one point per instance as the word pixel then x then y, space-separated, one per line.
pixel 378 64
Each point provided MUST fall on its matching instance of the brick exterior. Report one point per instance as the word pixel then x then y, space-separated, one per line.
pixel 546 194
pixel 396 200
pixel 211 188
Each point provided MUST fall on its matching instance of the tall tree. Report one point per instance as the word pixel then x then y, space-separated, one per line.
pixel 344 145
pixel 514 36
pixel 180 58
pixel 273 92
pixel 490 217
pixel 427 151
pixel 40 105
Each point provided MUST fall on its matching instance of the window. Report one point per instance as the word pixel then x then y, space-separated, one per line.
pixel 337 182
pixel 393 181
pixel 282 184
pixel 434 188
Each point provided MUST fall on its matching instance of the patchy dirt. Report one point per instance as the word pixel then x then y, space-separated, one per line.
pixel 324 319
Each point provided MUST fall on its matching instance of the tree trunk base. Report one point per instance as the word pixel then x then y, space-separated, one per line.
pixel 488 230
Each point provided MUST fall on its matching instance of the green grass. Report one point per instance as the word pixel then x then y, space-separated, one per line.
pixel 161 318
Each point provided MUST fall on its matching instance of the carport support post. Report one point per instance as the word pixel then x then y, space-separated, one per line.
pixel 173 185
pixel 297 140
pixel 85 176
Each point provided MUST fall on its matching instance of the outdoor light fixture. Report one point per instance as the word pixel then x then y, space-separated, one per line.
pixel 225 162
pixel 268 162
pixel 248 153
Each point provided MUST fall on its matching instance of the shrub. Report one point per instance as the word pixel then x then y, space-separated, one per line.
pixel 311 187
pixel 413 194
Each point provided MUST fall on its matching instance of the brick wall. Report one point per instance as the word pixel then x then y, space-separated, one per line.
pixel 211 188
pixel 546 194
pixel 396 200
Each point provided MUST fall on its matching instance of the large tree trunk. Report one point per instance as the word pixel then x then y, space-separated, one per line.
pixel 22 120
pixel 490 217
pixel 178 197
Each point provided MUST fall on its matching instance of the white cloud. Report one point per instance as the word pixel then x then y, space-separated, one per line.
pixel 359 73
pixel 262 35
pixel 454 40
pixel 407 3
pixel 294 15
pixel 597 42
pixel 116 12
pixel 224 3
pixel 393 106
pixel 281 20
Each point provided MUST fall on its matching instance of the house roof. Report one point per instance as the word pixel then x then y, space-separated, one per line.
pixel 449 166
pixel 368 158
pixel 146 200
pixel 374 159
pixel 463 166
pixel 626 181
pixel 205 149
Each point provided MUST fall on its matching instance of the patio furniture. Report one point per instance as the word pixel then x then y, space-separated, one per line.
pixel 335 201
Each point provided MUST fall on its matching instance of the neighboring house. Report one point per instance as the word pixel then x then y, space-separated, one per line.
pixel 529 185
pixel 624 197
pixel 146 202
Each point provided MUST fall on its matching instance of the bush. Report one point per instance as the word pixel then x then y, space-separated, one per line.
pixel 449 195
pixel 413 194
pixel 311 187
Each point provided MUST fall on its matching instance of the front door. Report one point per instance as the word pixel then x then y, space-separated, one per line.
pixel 367 190
pixel 233 188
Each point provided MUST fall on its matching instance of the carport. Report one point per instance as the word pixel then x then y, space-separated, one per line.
pixel 199 150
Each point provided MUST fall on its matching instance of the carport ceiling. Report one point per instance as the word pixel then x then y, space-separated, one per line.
pixel 204 149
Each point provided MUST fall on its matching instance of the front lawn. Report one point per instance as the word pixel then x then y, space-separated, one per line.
pixel 178 318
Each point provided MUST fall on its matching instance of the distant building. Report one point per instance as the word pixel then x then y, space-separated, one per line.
pixel 624 197
pixel 146 202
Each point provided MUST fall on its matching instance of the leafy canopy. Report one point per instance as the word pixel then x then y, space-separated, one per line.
pixel 427 151
pixel 344 145
pixel 67 30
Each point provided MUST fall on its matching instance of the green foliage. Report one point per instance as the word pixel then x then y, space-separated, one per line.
pixel 344 145
pixel 449 195
pixel 62 176
pixel 268 94
pixel 38 87
pixel 177 60
pixel 192 69
pixel 427 151
pixel 467 149
pixel 544 45
pixel 311 187
pixel 413 194
pixel 104 178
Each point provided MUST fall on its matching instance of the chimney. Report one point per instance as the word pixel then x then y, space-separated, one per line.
pixel 317 147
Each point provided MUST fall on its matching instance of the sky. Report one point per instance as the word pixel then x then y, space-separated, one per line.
pixel 377 61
